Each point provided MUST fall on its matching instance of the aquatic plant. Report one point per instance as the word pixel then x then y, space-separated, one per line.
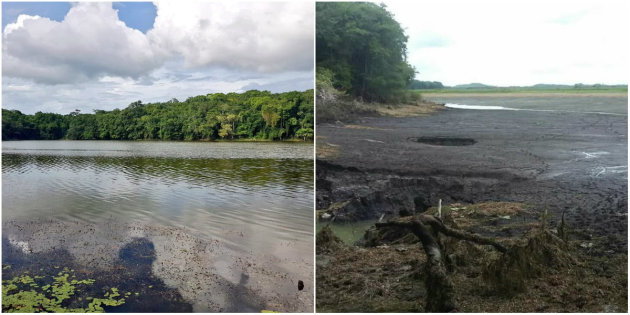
pixel 28 294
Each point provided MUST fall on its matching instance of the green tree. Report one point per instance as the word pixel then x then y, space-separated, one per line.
pixel 364 48
pixel 253 114
pixel 305 133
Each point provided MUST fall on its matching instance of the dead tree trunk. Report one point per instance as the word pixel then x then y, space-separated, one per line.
pixel 440 288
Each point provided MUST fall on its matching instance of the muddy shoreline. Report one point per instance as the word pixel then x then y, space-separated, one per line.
pixel 563 162
pixel 157 268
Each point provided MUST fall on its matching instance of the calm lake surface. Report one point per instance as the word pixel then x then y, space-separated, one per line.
pixel 254 199
pixel 610 103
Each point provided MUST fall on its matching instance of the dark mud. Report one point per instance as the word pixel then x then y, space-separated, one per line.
pixel 553 161
pixel 548 163
pixel 447 141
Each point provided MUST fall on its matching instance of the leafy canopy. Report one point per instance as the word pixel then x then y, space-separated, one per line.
pixel 250 115
pixel 364 47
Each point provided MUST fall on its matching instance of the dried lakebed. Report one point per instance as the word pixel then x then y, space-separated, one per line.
pixel 559 161
pixel 497 173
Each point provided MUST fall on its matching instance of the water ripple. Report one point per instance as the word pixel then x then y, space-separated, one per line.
pixel 247 202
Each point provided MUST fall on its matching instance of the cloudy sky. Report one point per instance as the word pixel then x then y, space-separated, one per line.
pixel 517 42
pixel 57 57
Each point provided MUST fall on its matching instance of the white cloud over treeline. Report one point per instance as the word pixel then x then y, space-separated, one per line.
pixel 231 44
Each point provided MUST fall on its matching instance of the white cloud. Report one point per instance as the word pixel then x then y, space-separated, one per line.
pixel 92 60
pixel 517 42
pixel 90 42
pixel 19 23
pixel 167 82
pixel 266 37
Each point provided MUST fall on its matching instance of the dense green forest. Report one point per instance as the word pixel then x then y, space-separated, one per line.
pixel 362 50
pixel 250 115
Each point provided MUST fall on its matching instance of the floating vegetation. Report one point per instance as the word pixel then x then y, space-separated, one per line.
pixel 54 294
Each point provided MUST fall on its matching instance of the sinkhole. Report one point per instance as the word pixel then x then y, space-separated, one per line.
pixel 445 141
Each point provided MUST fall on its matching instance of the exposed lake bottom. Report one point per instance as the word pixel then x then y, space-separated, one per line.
pixel 501 174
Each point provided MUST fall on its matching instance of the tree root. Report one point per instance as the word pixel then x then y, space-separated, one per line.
pixel 441 296
pixel 438 226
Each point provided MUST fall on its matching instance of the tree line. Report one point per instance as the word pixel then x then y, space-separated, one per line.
pixel 363 50
pixel 422 85
pixel 251 115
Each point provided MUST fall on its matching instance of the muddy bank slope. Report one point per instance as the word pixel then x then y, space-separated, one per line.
pixel 559 161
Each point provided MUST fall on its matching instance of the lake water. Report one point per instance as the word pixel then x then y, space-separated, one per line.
pixel 236 217
pixel 606 103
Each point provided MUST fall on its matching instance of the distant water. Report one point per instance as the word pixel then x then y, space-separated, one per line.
pixel 485 107
pixel 605 103
pixel 480 107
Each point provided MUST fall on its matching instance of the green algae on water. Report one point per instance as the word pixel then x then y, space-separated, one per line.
pixel 54 294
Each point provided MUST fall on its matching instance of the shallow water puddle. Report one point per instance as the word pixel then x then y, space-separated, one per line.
pixel 349 232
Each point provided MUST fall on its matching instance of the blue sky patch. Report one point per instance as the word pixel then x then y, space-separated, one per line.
pixel 136 15
pixel 55 11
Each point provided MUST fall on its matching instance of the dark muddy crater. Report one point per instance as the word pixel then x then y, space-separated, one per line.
pixel 443 141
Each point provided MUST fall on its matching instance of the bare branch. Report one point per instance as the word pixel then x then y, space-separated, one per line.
pixel 439 226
